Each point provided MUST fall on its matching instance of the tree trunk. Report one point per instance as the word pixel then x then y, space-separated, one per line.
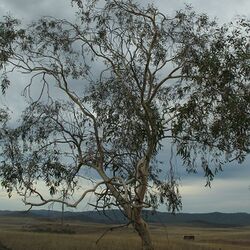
pixel 142 229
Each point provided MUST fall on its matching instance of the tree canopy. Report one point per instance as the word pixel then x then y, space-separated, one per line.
pixel 131 80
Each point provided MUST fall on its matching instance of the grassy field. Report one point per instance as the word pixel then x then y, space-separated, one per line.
pixel 36 234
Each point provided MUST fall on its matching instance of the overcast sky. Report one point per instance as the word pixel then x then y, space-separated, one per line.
pixel 230 190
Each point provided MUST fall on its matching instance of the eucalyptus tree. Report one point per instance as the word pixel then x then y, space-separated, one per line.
pixel 131 80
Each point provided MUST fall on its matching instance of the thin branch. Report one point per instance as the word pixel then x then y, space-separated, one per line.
pixel 46 201
pixel 112 229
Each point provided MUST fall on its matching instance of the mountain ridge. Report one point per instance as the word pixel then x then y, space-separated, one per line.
pixel 214 219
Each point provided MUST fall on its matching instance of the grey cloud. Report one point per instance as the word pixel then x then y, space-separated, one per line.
pixel 31 9
pixel 230 195
pixel 224 10
pixel 28 10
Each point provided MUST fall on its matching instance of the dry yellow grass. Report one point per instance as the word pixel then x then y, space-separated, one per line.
pixel 15 233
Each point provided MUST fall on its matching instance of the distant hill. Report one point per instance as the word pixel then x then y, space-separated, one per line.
pixel 115 216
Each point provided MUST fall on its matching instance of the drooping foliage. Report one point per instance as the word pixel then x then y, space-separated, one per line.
pixel 131 81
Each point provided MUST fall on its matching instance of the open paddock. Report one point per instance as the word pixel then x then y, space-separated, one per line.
pixel 36 234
